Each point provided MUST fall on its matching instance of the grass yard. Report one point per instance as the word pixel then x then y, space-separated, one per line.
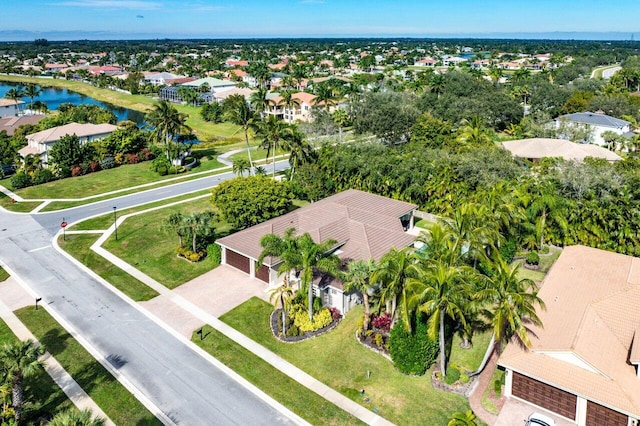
pixel 4 275
pixel 78 245
pixel 44 397
pixel 338 360
pixel 490 399
pixel 471 358
pixel 116 401
pixel 302 401
pixel 21 207
pixel 144 243
pixel 546 262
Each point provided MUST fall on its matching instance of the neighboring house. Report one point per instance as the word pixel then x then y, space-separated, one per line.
pixel 10 124
pixel 215 84
pixel 427 62
pixel 9 107
pixel 536 148
pixel 366 226
pixel 51 68
pixel 300 112
pixel 453 60
pixel 597 123
pixel 224 94
pixel 584 363
pixel 41 142
pixel 106 70
pixel 161 78
pixel 172 94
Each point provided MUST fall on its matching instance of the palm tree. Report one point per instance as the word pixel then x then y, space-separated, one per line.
pixel 495 74
pixel 301 253
pixel 325 94
pixel 356 278
pixel 259 101
pixel 546 204
pixel 240 114
pixel 463 419
pixel 512 303
pixel 17 362
pixel 15 95
pixel 32 91
pixel 288 101
pixel 73 417
pixel 473 132
pixel 392 275
pixel 167 123
pixel 341 118
pixel 300 150
pixel 175 223
pixel 273 133
pixel 283 293
pixel 200 225
pixel 239 166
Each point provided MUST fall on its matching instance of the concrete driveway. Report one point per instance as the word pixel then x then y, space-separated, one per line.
pixel 216 292
pixel 515 412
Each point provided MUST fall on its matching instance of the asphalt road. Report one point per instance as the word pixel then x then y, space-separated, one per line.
pixel 182 384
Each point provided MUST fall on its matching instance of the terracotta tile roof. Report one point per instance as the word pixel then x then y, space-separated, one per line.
pixel 365 225
pixel 592 298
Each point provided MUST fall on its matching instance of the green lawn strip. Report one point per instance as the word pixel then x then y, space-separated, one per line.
pixel 78 245
pixel 302 401
pixel 4 275
pixel 17 207
pixel 114 399
pixel 144 243
pixel 339 361
pixel 105 220
pixel 44 397
pixel 470 359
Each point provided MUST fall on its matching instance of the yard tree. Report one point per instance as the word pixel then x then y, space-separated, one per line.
pixel 239 166
pixel 175 223
pixel 68 152
pixel 246 201
pixel 168 124
pixel 431 131
pixel 388 115
pixel 8 149
pixel 274 134
pixel 283 294
pixel 15 94
pixel 18 361
pixel 357 278
pixel 239 112
pixel 200 226
pixel 32 91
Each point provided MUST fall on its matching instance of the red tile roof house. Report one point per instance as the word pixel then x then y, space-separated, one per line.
pixel 584 364
pixel 366 226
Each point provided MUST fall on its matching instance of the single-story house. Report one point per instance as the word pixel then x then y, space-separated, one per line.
pixel 536 148
pixel 161 78
pixel 9 107
pixel 106 70
pixel 426 62
pixel 597 123
pixel 39 143
pixel 10 124
pixel 366 226
pixel 584 363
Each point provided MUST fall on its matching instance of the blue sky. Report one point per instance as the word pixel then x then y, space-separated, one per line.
pixel 316 18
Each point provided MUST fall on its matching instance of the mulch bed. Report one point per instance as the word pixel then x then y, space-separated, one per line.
pixel 277 333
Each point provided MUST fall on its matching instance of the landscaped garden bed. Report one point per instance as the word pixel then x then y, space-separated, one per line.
pixel 276 327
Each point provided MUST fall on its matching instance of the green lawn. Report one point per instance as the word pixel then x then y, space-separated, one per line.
pixel 471 358
pixel 21 207
pixel 3 275
pixel 143 243
pixel 338 360
pixel 489 397
pixel 302 401
pixel 78 245
pixel 44 397
pixel 546 262
pixel 114 399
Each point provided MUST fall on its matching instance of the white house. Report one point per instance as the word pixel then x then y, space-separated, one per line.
pixel 39 143
pixel 9 107
pixel 597 123
pixel 299 112
pixel 215 84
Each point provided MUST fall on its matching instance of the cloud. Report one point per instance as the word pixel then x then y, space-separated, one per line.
pixel 113 4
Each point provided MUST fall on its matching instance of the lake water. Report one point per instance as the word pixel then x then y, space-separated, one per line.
pixel 53 97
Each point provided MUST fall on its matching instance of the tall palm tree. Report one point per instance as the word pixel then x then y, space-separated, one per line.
pixel 300 150
pixel 326 95
pixel 240 114
pixel 511 303
pixel 167 123
pixel 356 278
pixel 74 417
pixel 19 361
pixel 273 132
pixel 282 293
pixel 341 118
pixel 547 205
pixel 473 132
pixel 392 275
pixel 288 101
pixel 259 101
pixel 301 253
pixel 15 94
pixel 32 91
pixel 239 166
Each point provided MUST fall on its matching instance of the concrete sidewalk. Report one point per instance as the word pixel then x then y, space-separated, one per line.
pixel 15 297
pixel 270 357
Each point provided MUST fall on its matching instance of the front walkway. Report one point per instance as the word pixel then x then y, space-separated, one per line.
pixel 475 399
pixel 14 297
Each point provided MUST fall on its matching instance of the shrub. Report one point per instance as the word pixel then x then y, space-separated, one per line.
pixel 301 318
pixel 94 166
pixel 21 180
pixel 452 376
pixel 76 171
pixel 508 250
pixel 190 255
pixel 412 353
pixel 544 250
pixel 382 322
pixel 464 378
pixel 378 339
pixel 133 159
pixel 174 170
pixel 533 258
pixel 335 313
pixel 317 304
pixel 162 171
pixel 497 386
pixel 107 163
pixel 214 252
pixel 119 158
pixel 42 176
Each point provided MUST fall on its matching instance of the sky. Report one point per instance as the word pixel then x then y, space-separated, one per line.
pixel 121 19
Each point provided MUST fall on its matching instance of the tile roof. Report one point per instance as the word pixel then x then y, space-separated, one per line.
pixel 594 119
pixel 9 102
pixel 541 147
pixel 10 124
pixel 212 82
pixel 365 225
pixel 81 130
pixel 592 298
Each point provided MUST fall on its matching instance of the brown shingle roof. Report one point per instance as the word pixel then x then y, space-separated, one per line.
pixel 592 298
pixel 365 225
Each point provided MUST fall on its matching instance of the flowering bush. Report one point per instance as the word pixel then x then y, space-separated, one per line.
pixel 76 171
pixel 382 322
pixel 190 255
pixel 133 159
pixel 94 166
pixel 335 313
pixel 301 318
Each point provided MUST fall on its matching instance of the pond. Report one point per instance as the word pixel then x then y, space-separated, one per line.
pixel 53 97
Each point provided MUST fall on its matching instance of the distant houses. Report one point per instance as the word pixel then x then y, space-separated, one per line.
pixel 9 107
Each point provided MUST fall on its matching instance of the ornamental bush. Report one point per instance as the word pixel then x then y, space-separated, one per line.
pixel 533 258
pixel 21 180
pixel 301 318
pixel 412 353
pixel 214 252
pixel 452 376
